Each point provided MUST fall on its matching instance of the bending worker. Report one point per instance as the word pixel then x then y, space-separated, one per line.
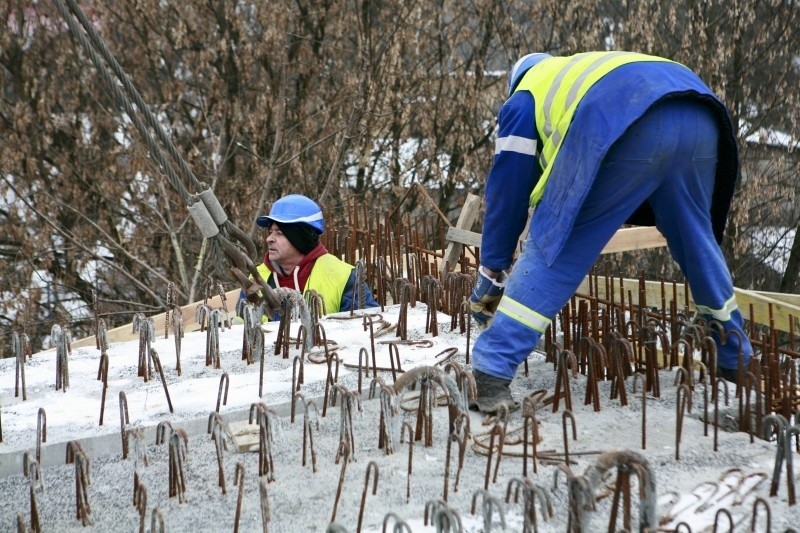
pixel 593 141
pixel 297 259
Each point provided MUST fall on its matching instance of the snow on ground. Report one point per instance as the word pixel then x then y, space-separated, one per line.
pixel 691 489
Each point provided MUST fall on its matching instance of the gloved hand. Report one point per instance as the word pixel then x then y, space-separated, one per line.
pixel 485 297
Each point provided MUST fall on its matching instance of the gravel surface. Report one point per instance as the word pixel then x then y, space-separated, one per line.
pixel 690 489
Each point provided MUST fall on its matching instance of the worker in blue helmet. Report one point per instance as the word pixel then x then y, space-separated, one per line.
pixel 593 141
pixel 297 259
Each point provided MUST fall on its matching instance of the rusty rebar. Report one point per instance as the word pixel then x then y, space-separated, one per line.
pixel 218 436
pixel 443 517
pixel 776 423
pixel 224 381
pixel 497 430
pixel 407 427
pixel 683 376
pixel 104 378
pixel 61 339
pixel 681 405
pixel 620 358
pixel 178 333
pixel 642 377
pixel 388 410
pixel 368 321
pixel 161 432
pixel 157 523
pixel 716 408
pixel 531 492
pixel 751 386
pixel 400 525
pixel 564 361
pixel 330 379
pixel 19 356
pixel 266 465
pixel 146 329
pixel 140 451
pixel 465 310
pixel 761 502
pixel 238 479
pixel 651 351
pixel 41 432
pixel 33 472
pixel 140 502
pixel 595 360
pixel 488 504
pixel 622 488
pixel 178 445
pixel 76 454
pixel 372 468
pixel 344 451
pixel 346 417
pixel 394 355
pixel 629 461
pixel 212 339
pixel 124 420
pixel 727 514
pixel 568 414
pixel 157 366
pixel 703 378
pixel 265 509
pixel 431 288
pixel 260 354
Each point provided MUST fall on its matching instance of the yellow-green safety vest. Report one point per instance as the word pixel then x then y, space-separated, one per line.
pixel 558 84
pixel 328 278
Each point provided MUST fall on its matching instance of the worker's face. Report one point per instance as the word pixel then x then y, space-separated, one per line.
pixel 279 249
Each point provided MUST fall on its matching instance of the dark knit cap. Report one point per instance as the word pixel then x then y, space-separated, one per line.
pixel 302 236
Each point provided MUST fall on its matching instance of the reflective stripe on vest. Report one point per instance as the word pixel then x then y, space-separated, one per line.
pixel 558 84
pixel 724 314
pixel 523 315
pixel 328 278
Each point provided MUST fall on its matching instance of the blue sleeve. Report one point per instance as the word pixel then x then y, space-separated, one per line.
pixel 349 294
pixel 514 173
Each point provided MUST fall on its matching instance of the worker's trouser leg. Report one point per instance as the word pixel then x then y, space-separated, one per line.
pixel 670 143
pixel 682 208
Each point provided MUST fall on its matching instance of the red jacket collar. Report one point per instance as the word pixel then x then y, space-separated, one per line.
pixel 303 269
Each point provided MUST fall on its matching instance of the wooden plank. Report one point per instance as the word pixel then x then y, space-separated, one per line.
pixel 653 291
pixel 125 333
pixel 792 299
pixel 463 236
pixel 465 220
pixel 624 240
pixel 635 238
pixel 783 311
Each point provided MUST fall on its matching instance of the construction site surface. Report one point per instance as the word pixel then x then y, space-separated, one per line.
pixel 213 426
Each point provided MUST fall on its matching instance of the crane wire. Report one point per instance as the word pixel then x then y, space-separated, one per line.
pixel 204 207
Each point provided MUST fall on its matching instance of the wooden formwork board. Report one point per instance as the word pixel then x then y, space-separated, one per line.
pixel 125 333
pixel 785 308
pixel 624 240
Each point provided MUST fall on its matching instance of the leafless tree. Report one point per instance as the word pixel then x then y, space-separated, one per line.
pixel 330 99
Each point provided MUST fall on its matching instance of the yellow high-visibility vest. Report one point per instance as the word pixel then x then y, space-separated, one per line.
pixel 558 84
pixel 328 278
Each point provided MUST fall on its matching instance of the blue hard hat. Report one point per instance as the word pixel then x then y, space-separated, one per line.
pixel 523 65
pixel 294 209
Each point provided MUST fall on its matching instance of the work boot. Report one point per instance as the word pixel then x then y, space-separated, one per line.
pixel 492 393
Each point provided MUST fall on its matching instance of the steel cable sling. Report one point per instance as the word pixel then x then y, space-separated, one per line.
pixel 204 207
